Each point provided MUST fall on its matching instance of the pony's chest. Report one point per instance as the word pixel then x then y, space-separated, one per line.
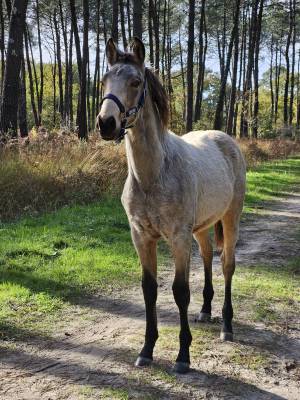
pixel 147 213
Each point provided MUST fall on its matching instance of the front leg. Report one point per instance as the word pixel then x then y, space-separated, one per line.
pixel 146 249
pixel 181 249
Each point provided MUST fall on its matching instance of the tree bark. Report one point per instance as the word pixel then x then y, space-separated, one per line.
pixel 10 94
pixel 287 75
pixel 247 80
pixel 123 29
pixel 232 101
pixel 190 66
pixel 82 120
pixel 255 72
pixel 31 84
pixel 291 111
pixel 218 123
pixel 201 66
pixel 115 21
pixel 137 18
pixel 41 93
pixel 22 109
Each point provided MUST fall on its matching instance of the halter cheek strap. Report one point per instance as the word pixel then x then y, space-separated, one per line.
pixel 133 111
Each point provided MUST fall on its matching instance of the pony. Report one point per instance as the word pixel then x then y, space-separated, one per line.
pixel 176 189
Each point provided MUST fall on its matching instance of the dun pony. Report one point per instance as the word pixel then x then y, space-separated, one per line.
pixel 177 188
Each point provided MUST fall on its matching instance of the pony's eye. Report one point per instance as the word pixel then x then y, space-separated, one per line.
pixel 136 83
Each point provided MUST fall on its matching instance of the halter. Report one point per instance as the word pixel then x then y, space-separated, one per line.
pixel 133 111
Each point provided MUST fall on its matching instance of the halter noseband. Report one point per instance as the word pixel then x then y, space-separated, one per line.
pixel 133 111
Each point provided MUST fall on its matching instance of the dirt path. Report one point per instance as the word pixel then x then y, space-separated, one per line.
pixel 93 359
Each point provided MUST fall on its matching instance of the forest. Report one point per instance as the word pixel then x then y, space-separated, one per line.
pixel 94 232
pixel 229 65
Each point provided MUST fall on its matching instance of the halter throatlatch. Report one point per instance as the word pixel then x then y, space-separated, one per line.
pixel 133 111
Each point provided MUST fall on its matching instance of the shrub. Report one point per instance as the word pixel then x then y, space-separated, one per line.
pixel 49 170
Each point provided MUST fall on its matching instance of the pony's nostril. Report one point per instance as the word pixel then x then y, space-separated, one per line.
pixel 111 123
pixel 107 126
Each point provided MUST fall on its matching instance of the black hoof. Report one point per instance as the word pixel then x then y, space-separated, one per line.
pixel 142 361
pixel 181 367
pixel 226 336
pixel 203 317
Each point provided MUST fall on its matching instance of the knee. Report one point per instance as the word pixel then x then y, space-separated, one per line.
pixel 149 286
pixel 208 292
pixel 181 292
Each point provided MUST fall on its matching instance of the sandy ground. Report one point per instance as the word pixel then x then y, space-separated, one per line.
pixel 92 357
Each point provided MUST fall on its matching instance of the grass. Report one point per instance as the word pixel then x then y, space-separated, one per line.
pixel 48 263
pixel 267 181
pixel 268 293
pixel 61 170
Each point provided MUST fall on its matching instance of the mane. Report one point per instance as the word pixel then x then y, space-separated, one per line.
pixel 159 96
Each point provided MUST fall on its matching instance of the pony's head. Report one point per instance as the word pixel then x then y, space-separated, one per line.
pixel 123 89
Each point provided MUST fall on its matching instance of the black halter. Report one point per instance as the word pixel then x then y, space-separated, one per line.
pixel 126 114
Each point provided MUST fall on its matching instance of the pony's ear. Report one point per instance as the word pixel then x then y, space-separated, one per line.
pixel 112 52
pixel 138 49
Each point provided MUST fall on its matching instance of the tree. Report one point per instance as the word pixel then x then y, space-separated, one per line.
pixel 190 66
pixel 219 110
pixel 82 114
pixel 10 95
pixel 137 18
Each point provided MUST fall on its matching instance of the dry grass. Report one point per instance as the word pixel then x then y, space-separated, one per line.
pixel 257 151
pixel 48 171
pixel 45 173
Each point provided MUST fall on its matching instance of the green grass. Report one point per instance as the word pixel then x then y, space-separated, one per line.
pixel 49 263
pixel 267 181
pixel 268 293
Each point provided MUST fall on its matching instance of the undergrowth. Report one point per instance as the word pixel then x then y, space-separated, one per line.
pixel 45 172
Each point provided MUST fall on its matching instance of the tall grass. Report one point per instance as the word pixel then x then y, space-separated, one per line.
pixel 48 171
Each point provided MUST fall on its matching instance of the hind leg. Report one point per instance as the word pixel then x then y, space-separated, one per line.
pixel 206 248
pixel 230 223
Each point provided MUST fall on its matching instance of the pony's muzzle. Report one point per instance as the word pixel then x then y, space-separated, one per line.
pixel 107 127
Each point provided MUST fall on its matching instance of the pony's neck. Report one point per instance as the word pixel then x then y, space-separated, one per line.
pixel 144 146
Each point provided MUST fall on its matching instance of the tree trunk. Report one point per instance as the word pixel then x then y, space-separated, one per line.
pixel 2 45
pixel 22 110
pixel 271 78
pixel 287 75
pixel 66 104
pixel 10 94
pixel 97 63
pixel 115 21
pixel 218 123
pixel 123 29
pixel 182 75
pixel 137 18
pixel 232 101
pixel 31 84
pixel 59 65
pixel 76 34
pixel 190 66
pixel 255 72
pixel 248 81
pixel 277 80
pixel 155 18
pixel 41 93
pixel 291 111
pixel 82 120
pixel 201 66
pixel 128 18
pixel 70 82
pixel 298 93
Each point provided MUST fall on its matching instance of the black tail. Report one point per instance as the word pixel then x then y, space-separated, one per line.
pixel 219 237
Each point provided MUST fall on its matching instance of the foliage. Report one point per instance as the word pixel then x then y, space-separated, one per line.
pixel 50 263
